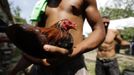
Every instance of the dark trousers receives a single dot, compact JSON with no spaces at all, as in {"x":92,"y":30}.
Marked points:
{"x":107,"y":67}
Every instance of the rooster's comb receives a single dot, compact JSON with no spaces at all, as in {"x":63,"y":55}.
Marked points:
{"x":67,"y":24}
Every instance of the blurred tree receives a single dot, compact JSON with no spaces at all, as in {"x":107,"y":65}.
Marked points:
{"x":16,"y":10}
{"x":128,"y":33}
{"x":120,"y":9}
{"x":5,"y":13}
{"x":17,"y":17}
{"x":116,"y":13}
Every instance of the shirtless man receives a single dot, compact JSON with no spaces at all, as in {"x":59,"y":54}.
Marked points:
{"x":106,"y":63}
{"x":76,"y":11}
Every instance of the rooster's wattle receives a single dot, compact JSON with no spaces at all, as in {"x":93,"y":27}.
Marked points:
{"x":30,"y":39}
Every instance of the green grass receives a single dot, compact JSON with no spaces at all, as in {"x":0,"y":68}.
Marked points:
{"x":91,"y":68}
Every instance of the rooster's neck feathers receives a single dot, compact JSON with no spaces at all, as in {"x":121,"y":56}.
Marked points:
{"x":60,"y":26}
{"x":65,"y":25}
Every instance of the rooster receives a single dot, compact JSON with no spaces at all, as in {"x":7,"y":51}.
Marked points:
{"x":30,"y":39}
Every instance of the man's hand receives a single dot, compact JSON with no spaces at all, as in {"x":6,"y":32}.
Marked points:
{"x":49,"y":63}
{"x":36,"y":60}
{"x":62,"y":57}
{"x":55,"y":50}
{"x":69,"y":54}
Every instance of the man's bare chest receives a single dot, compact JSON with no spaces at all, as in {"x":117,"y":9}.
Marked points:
{"x":110,"y":37}
{"x":70,"y":6}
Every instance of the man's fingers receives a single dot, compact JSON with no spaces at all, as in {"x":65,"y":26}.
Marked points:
{"x":55,"y":49}
{"x":45,"y":62}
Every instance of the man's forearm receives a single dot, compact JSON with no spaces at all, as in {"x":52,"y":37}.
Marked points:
{"x":93,"y":41}
{"x":22,"y":64}
{"x":125,"y":44}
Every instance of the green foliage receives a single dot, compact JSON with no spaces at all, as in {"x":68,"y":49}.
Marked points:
{"x":19,"y":20}
{"x":128,"y":33}
{"x":17,"y":17}
{"x":120,"y":9}
{"x":116,"y":13}
{"x":16,"y":10}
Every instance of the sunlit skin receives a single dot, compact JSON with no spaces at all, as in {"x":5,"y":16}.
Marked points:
{"x":72,"y":10}
{"x":76,"y":11}
{"x":107,"y":48}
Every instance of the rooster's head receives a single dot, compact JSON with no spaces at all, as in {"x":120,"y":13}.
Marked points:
{"x":67,"y":24}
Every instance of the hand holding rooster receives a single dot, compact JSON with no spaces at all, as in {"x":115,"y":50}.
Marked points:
{"x":31,"y":39}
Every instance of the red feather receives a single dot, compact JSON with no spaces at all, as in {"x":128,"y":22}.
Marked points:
{"x":31,"y":39}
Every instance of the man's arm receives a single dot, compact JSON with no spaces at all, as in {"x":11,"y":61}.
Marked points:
{"x":98,"y":33}
{"x":21,"y":65}
{"x":121,"y":41}
{"x":95,"y":38}
{"x":25,"y":61}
